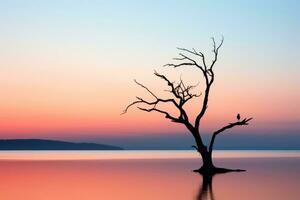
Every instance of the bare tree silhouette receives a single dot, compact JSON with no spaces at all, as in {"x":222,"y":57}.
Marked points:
{"x":181,"y":94}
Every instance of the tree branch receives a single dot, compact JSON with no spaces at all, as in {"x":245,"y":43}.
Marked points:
{"x":229,"y":126}
{"x":194,"y":52}
{"x":208,"y":73}
{"x":167,"y":115}
{"x":179,"y":91}
{"x":145,"y":88}
{"x":216,"y":51}
{"x":153,"y":103}
{"x":192,"y":61}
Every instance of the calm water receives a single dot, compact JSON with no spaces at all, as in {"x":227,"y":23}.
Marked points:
{"x":146,"y":175}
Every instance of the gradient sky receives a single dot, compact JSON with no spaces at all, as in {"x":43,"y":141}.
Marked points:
{"x":67,"y":67}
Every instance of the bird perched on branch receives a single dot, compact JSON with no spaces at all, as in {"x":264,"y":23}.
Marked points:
{"x":238,"y":117}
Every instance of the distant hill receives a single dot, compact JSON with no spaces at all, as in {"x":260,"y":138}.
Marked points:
{"x":37,"y":144}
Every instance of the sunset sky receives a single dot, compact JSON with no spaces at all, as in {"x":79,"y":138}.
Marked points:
{"x":67,"y":67}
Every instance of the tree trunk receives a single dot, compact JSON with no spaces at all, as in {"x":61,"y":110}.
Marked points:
{"x":207,"y":160}
{"x":207,"y":163}
{"x":208,"y":168}
{"x":206,"y":155}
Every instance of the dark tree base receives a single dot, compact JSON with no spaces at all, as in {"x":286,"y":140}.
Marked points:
{"x":216,"y":170}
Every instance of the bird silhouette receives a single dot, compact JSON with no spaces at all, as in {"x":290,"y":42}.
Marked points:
{"x":238,"y":117}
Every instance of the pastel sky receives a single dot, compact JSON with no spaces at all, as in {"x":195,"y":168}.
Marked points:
{"x":67,"y":67}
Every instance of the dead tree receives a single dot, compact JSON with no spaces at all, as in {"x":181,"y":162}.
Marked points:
{"x":182,"y":94}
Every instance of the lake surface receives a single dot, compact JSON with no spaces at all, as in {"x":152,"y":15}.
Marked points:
{"x":80,"y":175}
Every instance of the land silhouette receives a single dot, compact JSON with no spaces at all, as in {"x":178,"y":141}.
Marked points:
{"x":38,"y":144}
{"x":181,"y":95}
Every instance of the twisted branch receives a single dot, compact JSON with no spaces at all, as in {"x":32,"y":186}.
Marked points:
{"x":179,"y":91}
{"x":243,"y":122}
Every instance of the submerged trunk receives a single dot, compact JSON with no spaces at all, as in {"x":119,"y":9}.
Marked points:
{"x":207,"y":163}
{"x":206,"y":155}
{"x":208,"y":168}
{"x":207,"y":160}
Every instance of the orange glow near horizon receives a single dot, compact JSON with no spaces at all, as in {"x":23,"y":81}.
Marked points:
{"x":42,"y":104}
{"x":39,"y":104}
